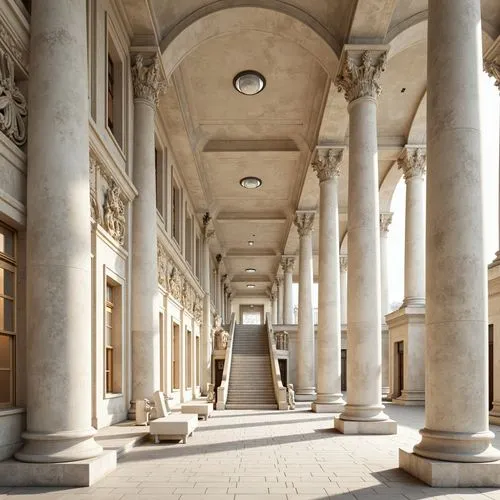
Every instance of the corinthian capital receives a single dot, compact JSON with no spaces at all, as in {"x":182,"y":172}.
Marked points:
{"x":287,"y":264}
{"x":148,"y":81}
{"x":360,"y":68}
{"x":327,"y":163}
{"x":493,"y":69}
{"x":385,"y":221}
{"x":412,"y":162}
{"x":304,"y":221}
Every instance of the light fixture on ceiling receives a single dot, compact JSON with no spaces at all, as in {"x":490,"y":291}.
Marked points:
{"x":250,"y":285}
{"x":250,"y":270}
{"x":251,"y":182}
{"x":249,"y":82}
{"x":251,"y":243}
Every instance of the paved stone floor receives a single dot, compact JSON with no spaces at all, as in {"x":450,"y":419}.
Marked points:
{"x":267,"y":455}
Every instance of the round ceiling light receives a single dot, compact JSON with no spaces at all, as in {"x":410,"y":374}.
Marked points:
{"x":250,"y":182}
{"x":250,"y":285}
{"x":250,"y":270}
{"x":249,"y":82}
{"x":251,"y":243}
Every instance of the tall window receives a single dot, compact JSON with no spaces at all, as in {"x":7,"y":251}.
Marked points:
{"x":176,"y":213}
{"x":114,"y":90}
{"x":111,"y":89}
{"x":112,"y":339}
{"x":7,"y":317}
{"x":188,"y":238}
{"x":189,"y":355}
{"x":159,"y":181}
{"x":176,"y":356}
{"x":198,"y":257}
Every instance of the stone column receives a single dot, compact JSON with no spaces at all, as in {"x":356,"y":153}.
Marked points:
{"x":145,"y":299}
{"x":287,"y":264}
{"x":58,"y":240}
{"x":329,"y":398}
{"x":385,"y":222}
{"x":206,"y":344}
{"x":456,"y":410}
{"x":306,"y":383}
{"x":279,"y":280}
{"x":218,"y":289}
{"x":360,"y":68}
{"x":343,"y":289}
{"x":273,"y":296}
{"x":229,"y":302}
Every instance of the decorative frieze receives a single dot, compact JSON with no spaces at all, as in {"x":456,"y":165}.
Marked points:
{"x":412,"y":162}
{"x":358,"y":76}
{"x":385,"y":221}
{"x":18,"y":51}
{"x":148,"y":81}
{"x":175,"y":283}
{"x":162,"y":266}
{"x":493,"y":69}
{"x":287,"y":264}
{"x":13,"y":109}
{"x":304,"y":221}
{"x":114,"y":213}
{"x":327,"y":163}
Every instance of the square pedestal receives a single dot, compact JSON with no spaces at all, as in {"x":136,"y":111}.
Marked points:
{"x":80,"y":473}
{"x":354,"y":427}
{"x":327,"y":408}
{"x":450,"y":474}
{"x":305,"y":397}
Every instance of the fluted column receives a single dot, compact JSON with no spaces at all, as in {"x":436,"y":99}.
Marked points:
{"x":385,"y":222}
{"x":359,"y":72}
{"x":329,"y":398}
{"x":306,"y":384}
{"x":58,"y":240}
{"x":343,"y":289}
{"x":456,"y":430}
{"x":206,"y":344}
{"x":279,"y":281}
{"x":145,"y":298}
{"x":287,"y":264}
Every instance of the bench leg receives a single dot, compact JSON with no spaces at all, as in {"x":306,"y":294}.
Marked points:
{"x":157,"y":439}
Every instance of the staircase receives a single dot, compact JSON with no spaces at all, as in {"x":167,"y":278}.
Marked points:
{"x":251,"y":383}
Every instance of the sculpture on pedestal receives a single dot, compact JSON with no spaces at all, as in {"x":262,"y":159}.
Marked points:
{"x":291,"y":396}
{"x":219,"y":335}
{"x":210,"y":393}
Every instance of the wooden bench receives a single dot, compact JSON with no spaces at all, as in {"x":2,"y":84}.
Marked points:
{"x":203,"y":410}
{"x":175,"y":426}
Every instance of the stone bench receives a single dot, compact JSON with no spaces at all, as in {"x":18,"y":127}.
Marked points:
{"x":203,"y":410}
{"x":174,"y":426}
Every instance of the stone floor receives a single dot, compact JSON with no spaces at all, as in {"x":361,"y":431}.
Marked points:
{"x":267,"y":455}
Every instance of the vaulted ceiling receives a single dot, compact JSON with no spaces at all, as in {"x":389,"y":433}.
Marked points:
{"x":219,"y":136}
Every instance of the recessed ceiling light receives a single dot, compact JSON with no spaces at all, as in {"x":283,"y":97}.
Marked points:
{"x":251,"y":243}
{"x":249,"y":82}
{"x":250,"y":285}
{"x":251,"y":182}
{"x":250,"y":270}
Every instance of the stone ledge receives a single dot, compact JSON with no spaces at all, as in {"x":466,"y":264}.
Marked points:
{"x":363,"y":427}
{"x":81,"y":473}
{"x":450,"y":474}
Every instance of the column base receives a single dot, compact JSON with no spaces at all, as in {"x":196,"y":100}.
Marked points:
{"x":450,"y":474}
{"x":78,"y":473}
{"x":365,"y":427}
{"x":410,"y":398}
{"x":333,"y":404}
{"x":306,"y":394}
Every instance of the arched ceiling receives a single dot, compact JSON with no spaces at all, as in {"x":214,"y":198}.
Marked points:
{"x":219,"y":136}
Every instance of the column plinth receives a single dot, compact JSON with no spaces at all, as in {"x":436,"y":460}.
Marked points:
{"x":306,"y":386}
{"x":363,"y":413}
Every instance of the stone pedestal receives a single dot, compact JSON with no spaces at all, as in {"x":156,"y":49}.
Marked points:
{"x":407,"y":325}
{"x":306,"y":383}
{"x":456,"y":326}
{"x":359,"y":69}
{"x":58,"y":265}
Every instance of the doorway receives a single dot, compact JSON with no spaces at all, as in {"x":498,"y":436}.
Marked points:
{"x":251,"y":314}
{"x":343,"y":370}
{"x":399,"y":369}
{"x":490,"y":367}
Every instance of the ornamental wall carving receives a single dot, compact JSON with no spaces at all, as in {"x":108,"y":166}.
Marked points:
{"x":162,"y":266}
{"x":13,"y":108}
{"x":114,"y":213}
{"x":175,"y":284}
{"x":15,"y":47}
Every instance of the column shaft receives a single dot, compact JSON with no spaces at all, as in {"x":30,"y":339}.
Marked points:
{"x":287,"y":264}
{"x":456,"y":322}
{"x":343,"y":289}
{"x":280,"y":300}
{"x":58,"y":239}
{"x":385,"y":220}
{"x":206,"y":345}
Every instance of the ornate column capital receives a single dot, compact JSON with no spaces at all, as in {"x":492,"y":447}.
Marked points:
{"x":343,"y":263}
{"x":147,"y":81}
{"x":360,"y":68}
{"x":385,"y":221}
{"x":304,"y":220}
{"x":287,"y":264}
{"x":413,"y":162}
{"x":492,"y":67}
{"x":327,"y":163}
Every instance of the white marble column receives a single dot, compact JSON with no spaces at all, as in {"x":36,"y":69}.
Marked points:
{"x":229,"y":303}
{"x":343,"y":289}
{"x":329,"y":396}
{"x":306,"y":383}
{"x":287,"y":264}
{"x":385,"y":222}
{"x":456,"y":411}
{"x":206,"y":344}
{"x":273,"y":296}
{"x":58,"y":427}
{"x":145,"y":298}
{"x":279,"y":280}
{"x":218,"y":289}
{"x":360,"y":68}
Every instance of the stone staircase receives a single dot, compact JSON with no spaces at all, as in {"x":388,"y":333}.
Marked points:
{"x":250,"y":382}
